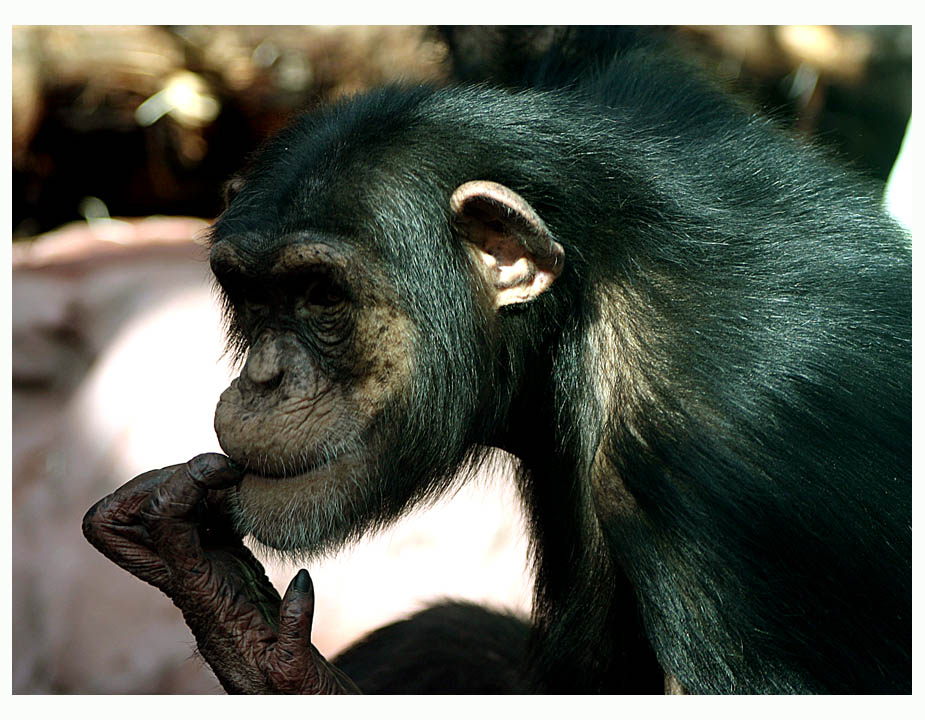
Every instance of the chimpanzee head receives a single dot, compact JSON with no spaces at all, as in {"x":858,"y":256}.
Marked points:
{"x":364,"y":293}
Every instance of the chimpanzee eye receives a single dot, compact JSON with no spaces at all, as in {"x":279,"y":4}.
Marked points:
{"x":257,"y":308}
{"x":324,"y":292}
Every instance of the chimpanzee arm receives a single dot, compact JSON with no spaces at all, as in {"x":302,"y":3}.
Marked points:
{"x":169,"y":527}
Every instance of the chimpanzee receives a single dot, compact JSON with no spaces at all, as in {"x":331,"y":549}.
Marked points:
{"x":693,"y":330}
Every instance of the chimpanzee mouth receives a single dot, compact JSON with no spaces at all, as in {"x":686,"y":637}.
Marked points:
{"x":325,"y":459}
{"x":294,"y":473}
{"x":304,"y":470}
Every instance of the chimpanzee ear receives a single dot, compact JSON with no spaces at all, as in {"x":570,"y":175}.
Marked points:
{"x":514,"y":248}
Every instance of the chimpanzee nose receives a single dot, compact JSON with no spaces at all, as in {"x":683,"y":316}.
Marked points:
{"x":264,"y":367}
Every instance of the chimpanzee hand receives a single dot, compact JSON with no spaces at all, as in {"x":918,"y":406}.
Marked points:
{"x":170,"y":528}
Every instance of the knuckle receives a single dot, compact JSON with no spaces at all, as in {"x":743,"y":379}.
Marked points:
{"x":155,"y":509}
{"x":90,"y":522}
{"x":209,"y":471}
{"x":201,"y":466}
{"x":96,"y":518}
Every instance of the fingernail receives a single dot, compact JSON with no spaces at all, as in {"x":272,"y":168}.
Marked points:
{"x":303,"y":581}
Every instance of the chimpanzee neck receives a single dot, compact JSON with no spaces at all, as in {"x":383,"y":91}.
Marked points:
{"x":589,"y":634}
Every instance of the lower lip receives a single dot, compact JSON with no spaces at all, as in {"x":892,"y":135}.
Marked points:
{"x":270,"y":479}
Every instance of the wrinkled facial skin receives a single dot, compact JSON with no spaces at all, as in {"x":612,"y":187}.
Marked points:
{"x":328,"y":351}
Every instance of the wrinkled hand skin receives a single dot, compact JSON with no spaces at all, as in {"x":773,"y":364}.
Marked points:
{"x":169,"y":528}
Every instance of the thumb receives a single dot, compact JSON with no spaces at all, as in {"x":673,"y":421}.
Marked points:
{"x":296,"y":612}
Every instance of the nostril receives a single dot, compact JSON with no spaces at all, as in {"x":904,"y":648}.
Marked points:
{"x":265,"y":379}
{"x":273,"y":382}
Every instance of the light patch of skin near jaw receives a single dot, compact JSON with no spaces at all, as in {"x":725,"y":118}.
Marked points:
{"x":382,"y":335}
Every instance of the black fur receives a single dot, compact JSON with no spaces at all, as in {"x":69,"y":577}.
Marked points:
{"x":452,"y":647}
{"x":757,"y":307}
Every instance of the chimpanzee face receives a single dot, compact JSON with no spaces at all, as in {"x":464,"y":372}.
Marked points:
{"x":340,"y":385}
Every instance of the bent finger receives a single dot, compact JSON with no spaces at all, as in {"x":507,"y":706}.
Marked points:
{"x":170,"y":515}
{"x":123,"y":506}
{"x":114,"y":526}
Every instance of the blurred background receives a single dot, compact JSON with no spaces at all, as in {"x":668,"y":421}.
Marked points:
{"x":122,"y":139}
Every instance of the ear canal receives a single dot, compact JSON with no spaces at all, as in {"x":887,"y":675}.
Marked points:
{"x":492,"y":202}
{"x":516,"y":252}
